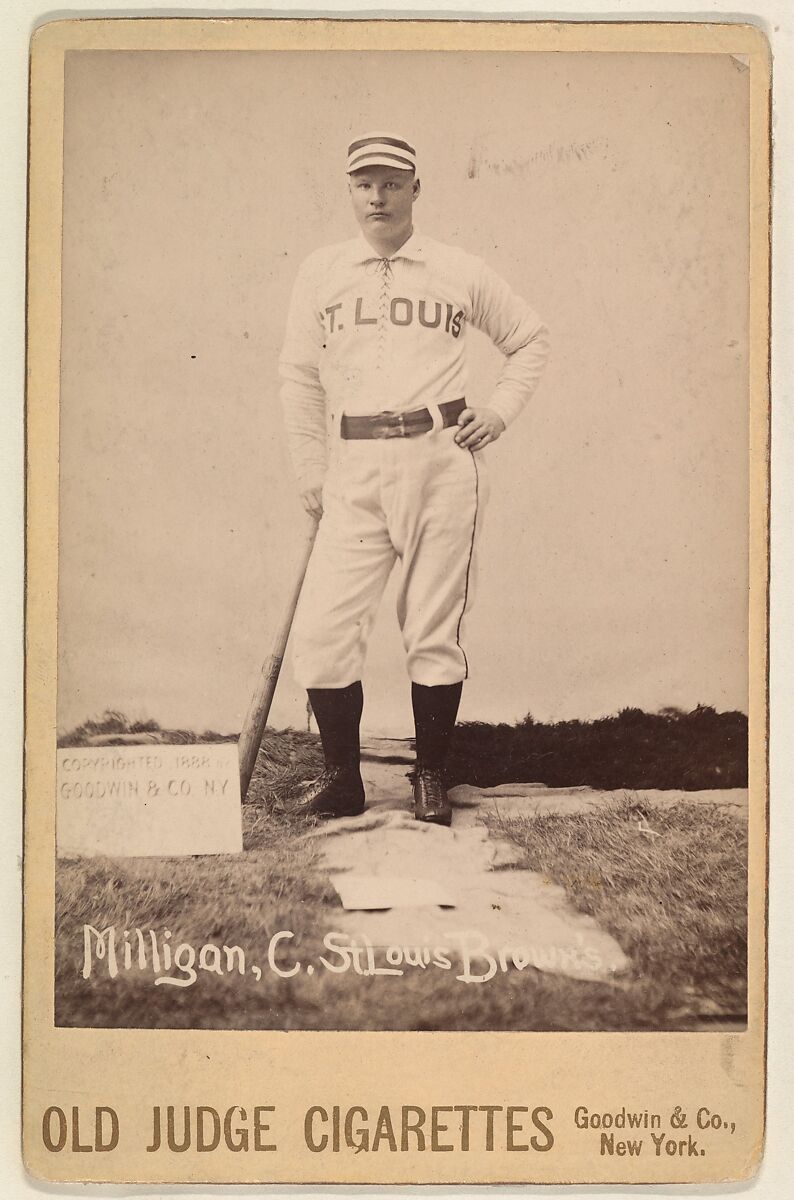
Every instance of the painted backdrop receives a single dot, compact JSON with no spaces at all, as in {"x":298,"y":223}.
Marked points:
{"x":610,"y":190}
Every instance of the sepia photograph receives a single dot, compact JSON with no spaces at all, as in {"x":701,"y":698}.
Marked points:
{"x":396,"y":705}
{"x":403,"y":449}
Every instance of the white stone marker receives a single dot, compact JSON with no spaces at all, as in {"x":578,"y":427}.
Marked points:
{"x":148,"y":800}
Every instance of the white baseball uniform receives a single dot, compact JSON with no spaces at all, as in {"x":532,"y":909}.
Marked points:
{"x":367,"y":334}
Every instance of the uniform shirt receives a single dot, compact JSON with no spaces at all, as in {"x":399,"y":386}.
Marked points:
{"x":367,"y":334}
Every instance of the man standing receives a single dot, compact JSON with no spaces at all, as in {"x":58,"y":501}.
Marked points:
{"x":373,"y":370}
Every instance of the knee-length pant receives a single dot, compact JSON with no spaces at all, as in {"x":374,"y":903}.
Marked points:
{"x":413,"y":501}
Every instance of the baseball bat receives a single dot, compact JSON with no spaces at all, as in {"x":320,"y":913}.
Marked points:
{"x":259,"y":708}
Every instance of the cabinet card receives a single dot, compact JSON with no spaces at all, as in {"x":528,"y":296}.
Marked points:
{"x":424,"y":362}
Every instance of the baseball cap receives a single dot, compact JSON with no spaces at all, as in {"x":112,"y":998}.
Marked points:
{"x":381,"y":149}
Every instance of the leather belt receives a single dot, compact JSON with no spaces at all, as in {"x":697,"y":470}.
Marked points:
{"x":392,"y":425}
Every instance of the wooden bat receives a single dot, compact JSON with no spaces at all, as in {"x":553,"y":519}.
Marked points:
{"x":259,"y":708}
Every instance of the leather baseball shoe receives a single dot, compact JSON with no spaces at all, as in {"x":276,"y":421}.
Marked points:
{"x":431,"y":802}
{"x":338,"y":792}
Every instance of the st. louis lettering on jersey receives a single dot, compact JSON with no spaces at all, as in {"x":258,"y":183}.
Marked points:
{"x":401,"y":310}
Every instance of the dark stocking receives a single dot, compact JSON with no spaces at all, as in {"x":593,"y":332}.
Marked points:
{"x":338,"y":713}
{"x":435,"y":711}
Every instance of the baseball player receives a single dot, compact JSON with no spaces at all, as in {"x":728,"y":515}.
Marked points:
{"x":387,"y":452}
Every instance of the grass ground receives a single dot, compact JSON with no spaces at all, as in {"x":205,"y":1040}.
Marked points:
{"x":669,"y":883}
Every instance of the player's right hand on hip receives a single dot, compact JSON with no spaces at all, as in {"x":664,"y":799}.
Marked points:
{"x":312,"y":500}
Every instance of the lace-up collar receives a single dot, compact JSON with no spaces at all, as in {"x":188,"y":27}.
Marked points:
{"x":413,"y":250}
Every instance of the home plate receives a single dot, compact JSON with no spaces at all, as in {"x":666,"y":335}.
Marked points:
{"x":369,"y":892}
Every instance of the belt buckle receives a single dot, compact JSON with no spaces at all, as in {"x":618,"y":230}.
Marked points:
{"x":390,"y":424}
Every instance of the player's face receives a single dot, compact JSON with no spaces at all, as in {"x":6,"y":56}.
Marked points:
{"x":383,"y":199}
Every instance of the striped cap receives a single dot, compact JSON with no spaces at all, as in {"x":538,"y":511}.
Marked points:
{"x":380,"y":149}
